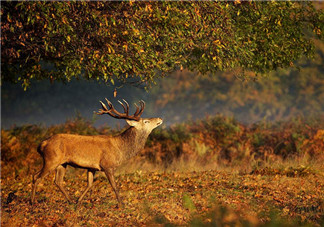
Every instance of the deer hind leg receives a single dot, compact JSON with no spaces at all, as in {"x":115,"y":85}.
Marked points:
{"x":39,"y":176}
{"x":91,"y":174}
{"x":110,"y":175}
{"x":60,"y":172}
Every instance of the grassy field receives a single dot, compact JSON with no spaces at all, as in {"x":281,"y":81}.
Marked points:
{"x":187,"y":198}
{"x":206,"y":173}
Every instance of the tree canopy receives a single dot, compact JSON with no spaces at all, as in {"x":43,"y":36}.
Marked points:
{"x":140,"y":41}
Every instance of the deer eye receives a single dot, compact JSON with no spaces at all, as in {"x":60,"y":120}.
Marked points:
{"x":146,"y":121}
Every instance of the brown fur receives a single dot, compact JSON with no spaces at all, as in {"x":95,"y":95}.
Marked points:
{"x":95,"y":153}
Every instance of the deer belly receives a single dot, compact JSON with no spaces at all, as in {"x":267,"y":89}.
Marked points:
{"x":89,"y":162}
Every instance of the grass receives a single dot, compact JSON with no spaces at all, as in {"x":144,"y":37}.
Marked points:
{"x":190,"y":198}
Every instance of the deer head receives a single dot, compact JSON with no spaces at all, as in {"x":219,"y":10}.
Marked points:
{"x":135,"y":120}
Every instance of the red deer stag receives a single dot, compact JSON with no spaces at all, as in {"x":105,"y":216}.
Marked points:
{"x":95,"y":153}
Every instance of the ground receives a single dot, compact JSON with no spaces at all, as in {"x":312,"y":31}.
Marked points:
{"x":161,"y":198}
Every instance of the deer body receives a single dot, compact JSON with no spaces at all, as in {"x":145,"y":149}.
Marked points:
{"x":83,"y":151}
{"x":94,"y":153}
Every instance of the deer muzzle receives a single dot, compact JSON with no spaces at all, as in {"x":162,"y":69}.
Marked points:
{"x":160,"y":121}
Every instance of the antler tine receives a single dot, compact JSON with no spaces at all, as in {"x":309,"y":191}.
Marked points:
{"x":103,"y":110}
{"x":112,"y":111}
{"x":126,"y":106}
{"x":142,"y":103}
{"x":100,"y":112}
{"x":125,"y":110}
{"x":137,"y":109}
{"x":109,"y":103}
{"x":104,"y":107}
{"x":126,"y":103}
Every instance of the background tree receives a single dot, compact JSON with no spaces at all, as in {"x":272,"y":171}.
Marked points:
{"x":144,"y":40}
{"x":281,"y":95}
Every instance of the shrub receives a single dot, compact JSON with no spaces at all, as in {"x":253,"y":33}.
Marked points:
{"x":212,"y":140}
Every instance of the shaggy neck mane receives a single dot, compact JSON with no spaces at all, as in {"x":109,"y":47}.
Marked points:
{"x":132,"y":141}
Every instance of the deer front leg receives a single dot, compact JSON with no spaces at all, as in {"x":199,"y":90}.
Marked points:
{"x":110,"y":175}
{"x":60,"y":172}
{"x":91,"y":174}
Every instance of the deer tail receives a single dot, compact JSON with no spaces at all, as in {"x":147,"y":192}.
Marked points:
{"x":41,"y":147}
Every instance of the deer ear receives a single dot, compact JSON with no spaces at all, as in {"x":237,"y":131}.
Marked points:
{"x":131,"y":123}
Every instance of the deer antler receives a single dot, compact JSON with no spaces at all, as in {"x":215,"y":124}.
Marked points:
{"x":114,"y":113}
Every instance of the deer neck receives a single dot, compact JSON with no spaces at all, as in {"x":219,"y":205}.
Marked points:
{"x":132,"y":142}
